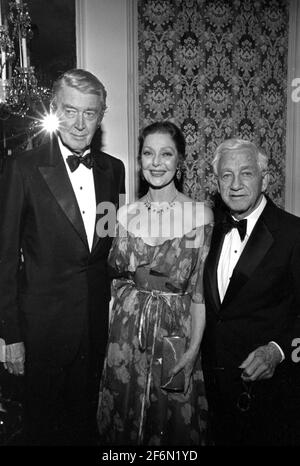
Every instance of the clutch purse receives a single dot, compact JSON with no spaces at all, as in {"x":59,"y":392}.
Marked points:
{"x":173,"y":349}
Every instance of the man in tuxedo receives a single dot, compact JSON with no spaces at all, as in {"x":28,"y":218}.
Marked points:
{"x":54,"y":311}
{"x":252,"y":296}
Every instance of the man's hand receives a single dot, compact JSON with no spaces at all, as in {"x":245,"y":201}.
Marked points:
{"x":15,"y":358}
{"x":261,"y":363}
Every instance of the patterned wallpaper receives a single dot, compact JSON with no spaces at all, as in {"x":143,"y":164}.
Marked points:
{"x":217,"y":68}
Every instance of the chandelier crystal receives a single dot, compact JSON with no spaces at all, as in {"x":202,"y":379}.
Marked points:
{"x":19,"y":88}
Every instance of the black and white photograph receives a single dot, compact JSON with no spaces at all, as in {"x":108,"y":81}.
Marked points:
{"x":149,"y":227}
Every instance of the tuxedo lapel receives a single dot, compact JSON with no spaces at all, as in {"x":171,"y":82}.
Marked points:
{"x":103,"y":186}
{"x":260,"y":241}
{"x":55,"y":175}
{"x":211,"y":266}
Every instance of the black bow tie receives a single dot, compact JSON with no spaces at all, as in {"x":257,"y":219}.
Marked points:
{"x":230,"y":223}
{"x":74,"y":161}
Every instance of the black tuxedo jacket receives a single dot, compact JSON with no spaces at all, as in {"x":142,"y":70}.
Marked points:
{"x":63,"y":287}
{"x":262,"y":301}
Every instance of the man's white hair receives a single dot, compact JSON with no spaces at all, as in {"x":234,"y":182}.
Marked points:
{"x":236,"y":144}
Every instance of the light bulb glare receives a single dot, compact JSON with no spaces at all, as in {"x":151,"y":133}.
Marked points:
{"x":50,"y":123}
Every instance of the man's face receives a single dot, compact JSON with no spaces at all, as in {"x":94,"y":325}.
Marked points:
{"x":240,"y":182}
{"x":79,"y":116}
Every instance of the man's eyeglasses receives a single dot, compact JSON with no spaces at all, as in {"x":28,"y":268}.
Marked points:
{"x":245,"y":398}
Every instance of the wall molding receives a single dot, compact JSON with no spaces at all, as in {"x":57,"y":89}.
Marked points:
{"x":292,"y":181}
{"x":132,"y":96}
{"x":80,"y":6}
{"x":89,"y":37}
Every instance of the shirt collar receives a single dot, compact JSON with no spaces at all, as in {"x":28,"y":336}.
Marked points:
{"x":65,"y":151}
{"x":254,"y":216}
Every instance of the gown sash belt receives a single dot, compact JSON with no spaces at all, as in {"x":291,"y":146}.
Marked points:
{"x":160,"y":299}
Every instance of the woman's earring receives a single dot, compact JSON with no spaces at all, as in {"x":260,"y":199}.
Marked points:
{"x":178,"y":173}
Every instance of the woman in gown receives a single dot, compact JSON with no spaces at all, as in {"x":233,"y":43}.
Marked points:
{"x":156,"y":260}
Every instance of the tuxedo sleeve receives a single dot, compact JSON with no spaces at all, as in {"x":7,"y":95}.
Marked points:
{"x":11,"y":215}
{"x":119,"y":186}
{"x":122,"y":189}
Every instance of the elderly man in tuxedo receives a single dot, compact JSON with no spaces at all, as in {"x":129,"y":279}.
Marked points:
{"x":252,"y":295}
{"x":54,"y":313}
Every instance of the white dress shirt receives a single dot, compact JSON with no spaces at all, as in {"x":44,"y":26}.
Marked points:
{"x":82,"y":181}
{"x":233,"y":247}
{"x":231,"y":251}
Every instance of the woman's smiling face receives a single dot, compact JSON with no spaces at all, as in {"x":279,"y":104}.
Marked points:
{"x":159,"y":159}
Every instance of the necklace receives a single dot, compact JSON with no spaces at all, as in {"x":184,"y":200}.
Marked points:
{"x":159,"y":207}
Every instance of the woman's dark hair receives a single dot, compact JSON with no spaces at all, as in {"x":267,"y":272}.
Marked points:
{"x":164,"y":127}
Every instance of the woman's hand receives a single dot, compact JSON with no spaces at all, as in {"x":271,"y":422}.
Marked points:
{"x":186,"y":363}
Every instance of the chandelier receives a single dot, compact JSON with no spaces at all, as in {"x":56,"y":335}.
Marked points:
{"x":19,"y":88}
